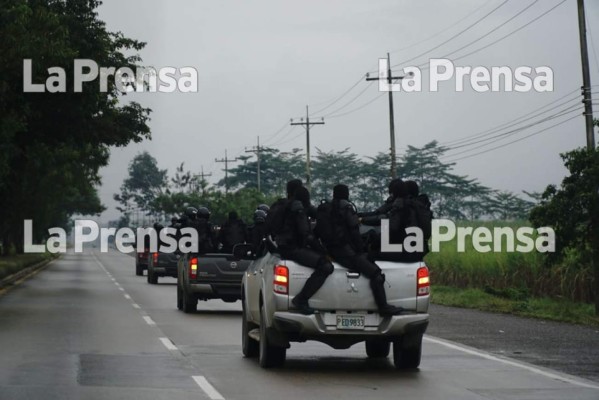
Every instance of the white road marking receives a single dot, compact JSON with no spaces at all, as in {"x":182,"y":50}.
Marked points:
{"x":149,"y":320}
{"x":168,"y":344}
{"x":127,"y":296}
{"x":135,"y":305}
{"x":512,"y":363}
{"x":121,"y":289}
{"x":208,"y":388}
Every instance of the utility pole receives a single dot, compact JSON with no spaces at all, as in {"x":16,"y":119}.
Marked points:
{"x":390,"y":80}
{"x":226,"y":160}
{"x":203,"y":176}
{"x":307,"y":124}
{"x":256,"y":150}
{"x":586,"y":76}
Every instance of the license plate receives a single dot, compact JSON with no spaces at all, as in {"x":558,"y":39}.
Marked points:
{"x":350,"y":322}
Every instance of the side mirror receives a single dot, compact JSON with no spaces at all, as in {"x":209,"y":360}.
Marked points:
{"x":244,"y":251}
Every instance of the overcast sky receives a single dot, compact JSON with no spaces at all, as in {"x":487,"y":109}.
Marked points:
{"x":261,"y":62}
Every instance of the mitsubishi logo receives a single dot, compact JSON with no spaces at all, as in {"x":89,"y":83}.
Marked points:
{"x":352,"y":288}
{"x":233,"y":265}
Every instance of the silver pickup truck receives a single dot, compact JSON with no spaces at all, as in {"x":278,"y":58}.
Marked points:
{"x":346,"y":312}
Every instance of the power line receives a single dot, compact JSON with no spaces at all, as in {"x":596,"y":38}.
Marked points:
{"x":504,"y":135}
{"x":349,"y":102}
{"x":511,"y":33}
{"x":307,"y":124}
{"x":339,"y":97}
{"x":434,"y":35}
{"x":491,"y":31}
{"x":454,"y":36}
{"x":512,"y":142}
{"x":525,"y":117}
{"x":357,"y":108}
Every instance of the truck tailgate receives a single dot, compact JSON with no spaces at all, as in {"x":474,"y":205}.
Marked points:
{"x":347,"y":291}
{"x":221,"y":268}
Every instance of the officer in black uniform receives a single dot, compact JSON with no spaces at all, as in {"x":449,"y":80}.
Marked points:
{"x":257,"y":231}
{"x":232,"y":232}
{"x":206,"y":240}
{"x":296,"y":242}
{"x":346,"y":247}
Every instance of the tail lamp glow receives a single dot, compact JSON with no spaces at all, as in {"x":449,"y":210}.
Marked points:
{"x":281,"y":280}
{"x":424,"y":282}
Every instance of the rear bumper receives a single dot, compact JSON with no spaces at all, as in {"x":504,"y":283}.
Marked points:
{"x":216,"y":290}
{"x":317,"y":326}
{"x":170,"y":270}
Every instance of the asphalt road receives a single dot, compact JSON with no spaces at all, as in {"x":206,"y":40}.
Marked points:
{"x":88,"y":328}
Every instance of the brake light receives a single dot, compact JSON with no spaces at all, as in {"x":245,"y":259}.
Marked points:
{"x":423,"y":284}
{"x":155,"y":258}
{"x":281,"y":279}
{"x":193,"y":268}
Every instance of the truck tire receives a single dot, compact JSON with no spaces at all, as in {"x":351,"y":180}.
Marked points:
{"x":179,"y":297}
{"x":190,"y":302}
{"x":407,"y":356}
{"x":152,"y":277}
{"x":377,"y":348}
{"x":269,"y":355}
{"x":139,"y":270}
{"x":249,"y":347}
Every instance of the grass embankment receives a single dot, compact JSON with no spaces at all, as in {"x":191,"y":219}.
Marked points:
{"x":512,"y":282}
{"x":535,"y":307}
{"x":15,"y":263}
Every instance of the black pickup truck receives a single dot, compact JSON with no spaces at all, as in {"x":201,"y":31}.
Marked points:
{"x":162,"y":264}
{"x":208,"y":276}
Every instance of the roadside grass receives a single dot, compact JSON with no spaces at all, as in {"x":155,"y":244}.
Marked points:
{"x":515,"y":302}
{"x":15,"y":263}
{"x":527,"y":272}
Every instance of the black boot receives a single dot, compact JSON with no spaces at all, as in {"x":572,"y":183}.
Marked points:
{"x":380,"y":298}
{"x":302,"y":305}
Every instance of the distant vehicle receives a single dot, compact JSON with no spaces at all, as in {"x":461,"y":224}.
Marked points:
{"x":208,"y":276}
{"x":162,"y":264}
{"x":141,"y":261}
{"x":346,"y":311}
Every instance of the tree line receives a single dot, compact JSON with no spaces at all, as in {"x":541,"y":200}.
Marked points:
{"x":53,"y":144}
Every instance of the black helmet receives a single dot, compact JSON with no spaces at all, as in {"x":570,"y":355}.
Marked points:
{"x":174,"y":220}
{"x":263,"y":207}
{"x":191,"y":212}
{"x":158,"y":226}
{"x":259,"y":216}
{"x":204,"y":212}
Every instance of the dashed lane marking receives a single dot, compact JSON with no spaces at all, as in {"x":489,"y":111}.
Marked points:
{"x":208,"y":388}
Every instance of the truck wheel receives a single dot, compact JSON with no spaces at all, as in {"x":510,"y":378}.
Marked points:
{"x":249,"y":347}
{"x":152,"y":278}
{"x":179,"y":297}
{"x":190,"y":302}
{"x":269,"y":355}
{"x":407,"y":356}
{"x":377,"y":348}
{"x":139,"y":270}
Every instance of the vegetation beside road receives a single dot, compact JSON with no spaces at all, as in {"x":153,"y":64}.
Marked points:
{"x":527,"y":273}
{"x":516,"y":302}
{"x":12,"y":264}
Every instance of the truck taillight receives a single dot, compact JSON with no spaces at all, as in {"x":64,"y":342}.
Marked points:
{"x":281,"y":280}
{"x":423,"y":284}
{"x":155,"y":258}
{"x":193,"y":268}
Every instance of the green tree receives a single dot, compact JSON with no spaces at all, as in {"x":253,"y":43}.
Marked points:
{"x":53,"y":144}
{"x":573,"y":211}
{"x":143,"y":185}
